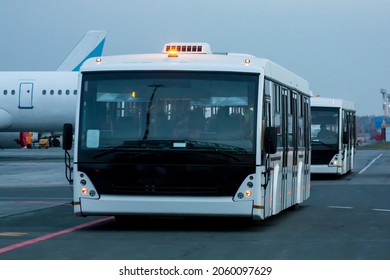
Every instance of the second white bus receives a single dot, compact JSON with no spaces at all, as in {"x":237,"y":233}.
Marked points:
{"x":333,"y":135}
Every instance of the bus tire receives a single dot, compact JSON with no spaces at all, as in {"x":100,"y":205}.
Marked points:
{"x":295,"y":207}
{"x":127,"y":220}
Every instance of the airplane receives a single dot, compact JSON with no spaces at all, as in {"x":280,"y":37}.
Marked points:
{"x":44,"y":100}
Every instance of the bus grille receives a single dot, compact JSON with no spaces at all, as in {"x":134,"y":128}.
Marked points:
{"x":166,"y":190}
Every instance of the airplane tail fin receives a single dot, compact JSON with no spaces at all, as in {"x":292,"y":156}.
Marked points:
{"x":91,"y":45}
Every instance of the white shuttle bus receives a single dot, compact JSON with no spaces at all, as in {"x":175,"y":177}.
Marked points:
{"x":187,"y":132}
{"x":333,"y":129}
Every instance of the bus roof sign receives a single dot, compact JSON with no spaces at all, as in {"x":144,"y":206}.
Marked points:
{"x":186,"y":47}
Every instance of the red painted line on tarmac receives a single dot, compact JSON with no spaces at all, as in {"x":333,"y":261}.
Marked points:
{"x":52,"y":235}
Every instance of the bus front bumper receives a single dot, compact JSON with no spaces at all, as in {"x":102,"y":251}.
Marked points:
{"x":325,"y":169}
{"x":159,"y":205}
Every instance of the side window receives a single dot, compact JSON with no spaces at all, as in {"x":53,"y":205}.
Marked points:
{"x":277,"y":117}
{"x":288,"y":116}
{"x":306,"y":119}
{"x":268,"y":92}
{"x":349,"y":125}
{"x":300,"y":127}
{"x":344,"y":121}
{"x":353,"y":127}
{"x":276,"y":98}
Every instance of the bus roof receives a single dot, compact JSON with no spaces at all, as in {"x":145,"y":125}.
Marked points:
{"x":203,"y":60}
{"x":332,"y":102}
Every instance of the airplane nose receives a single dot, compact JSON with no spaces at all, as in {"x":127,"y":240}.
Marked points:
{"x":5,"y":119}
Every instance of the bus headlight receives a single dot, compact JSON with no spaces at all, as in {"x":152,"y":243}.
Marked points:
{"x":248,"y":193}
{"x":84,"y":191}
{"x":334,"y":161}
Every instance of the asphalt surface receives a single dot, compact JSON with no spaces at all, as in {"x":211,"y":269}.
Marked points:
{"x":345,"y":218}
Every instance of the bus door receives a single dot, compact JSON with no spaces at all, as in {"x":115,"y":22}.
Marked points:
{"x":301,"y":148}
{"x":294,"y":146}
{"x":346,"y":146}
{"x":291,"y":152}
{"x":307,"y":145}
{"x":353,"y":139}
{"x":278,"y":160}
{"x":267,"y":161}
{"x":287,"y":154}
{"x":348,"y":129}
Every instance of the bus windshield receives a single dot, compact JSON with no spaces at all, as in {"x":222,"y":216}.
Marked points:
{"x":162,"y":110}
{"x":324,"y":128}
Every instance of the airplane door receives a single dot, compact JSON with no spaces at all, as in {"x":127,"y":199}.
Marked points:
{"x":26,"y":95}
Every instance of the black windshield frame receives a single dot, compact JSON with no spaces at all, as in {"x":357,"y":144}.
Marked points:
{"x":325,"y":119}
{"x":159,"y":97}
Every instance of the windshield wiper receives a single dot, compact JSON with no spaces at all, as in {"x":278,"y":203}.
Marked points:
{"x":114,"y":149}
{"x":144,"y":145}
{"x":223,"y":149}
{"x":136,"y":145}
{"x":216,"y":146}
{"x":149,"y":109}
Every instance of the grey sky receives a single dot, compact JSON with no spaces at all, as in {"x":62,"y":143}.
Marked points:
{"x":342,"y":47}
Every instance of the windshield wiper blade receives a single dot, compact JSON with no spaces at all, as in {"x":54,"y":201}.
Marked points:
{"x":161,"y":144}
{"x":216,"y":146}
{"x":148,"y":111}
{"x":114,"y":149}
{"x":222,"y":149}
{"x":138,"y":144}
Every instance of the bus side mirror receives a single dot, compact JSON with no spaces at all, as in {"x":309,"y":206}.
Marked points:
{"x":67,"y":136}
{"x":270,"y":140}
{"x":345,"y":137}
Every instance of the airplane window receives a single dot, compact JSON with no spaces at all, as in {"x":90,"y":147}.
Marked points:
{"x":75,"y":92}
{"x":44,"y":92}
{"x":67,"y":92}
{"x":13,"y":92}
{"x":5,"y":92}
{"x":59,"y":92}
{"x":51,"y":92}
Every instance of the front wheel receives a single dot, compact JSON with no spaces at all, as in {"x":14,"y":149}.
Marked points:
{"x":127,"y":220}
{"x":294,"y":207}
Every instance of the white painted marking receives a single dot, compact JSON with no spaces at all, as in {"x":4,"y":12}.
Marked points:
{"x":340,"y":207}
{"x":368,"y":165}
{"x":381,"y":210}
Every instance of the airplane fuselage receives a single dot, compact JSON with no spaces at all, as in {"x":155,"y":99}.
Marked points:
{"x":37,"y":101}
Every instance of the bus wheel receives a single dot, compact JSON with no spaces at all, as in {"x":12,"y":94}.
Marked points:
{"x":294,"y":207}
{"x":126,"y":220}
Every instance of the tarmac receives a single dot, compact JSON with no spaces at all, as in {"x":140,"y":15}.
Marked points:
{"x":32,"y":179}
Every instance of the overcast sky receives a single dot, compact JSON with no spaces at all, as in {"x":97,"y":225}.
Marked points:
{"x":342,"y":47}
